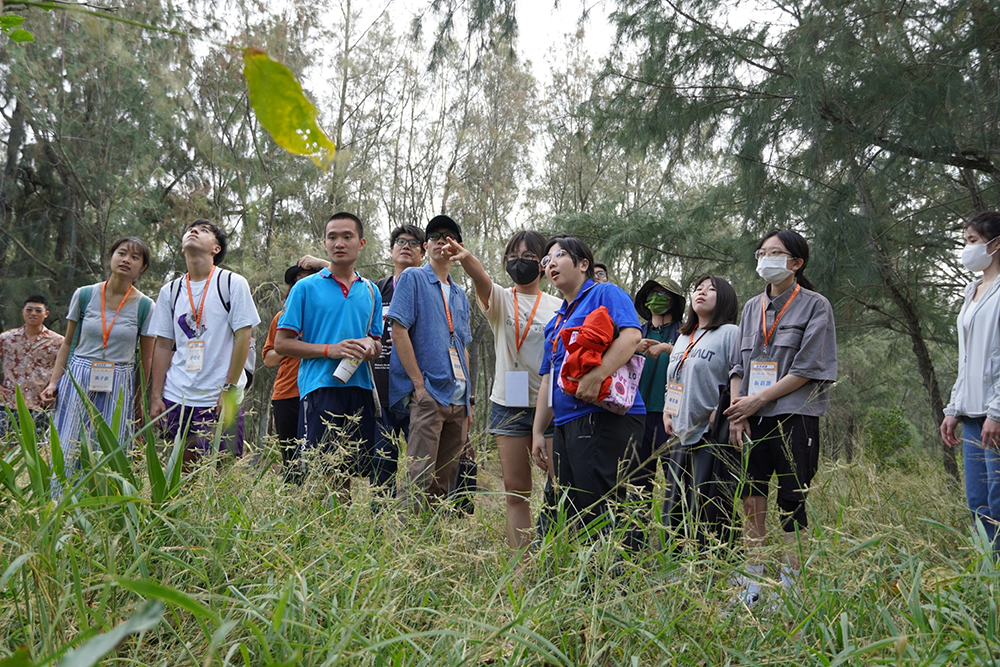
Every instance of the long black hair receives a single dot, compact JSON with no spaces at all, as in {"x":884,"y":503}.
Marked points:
{"x":726,"y":306}
{"x":796,"y":244}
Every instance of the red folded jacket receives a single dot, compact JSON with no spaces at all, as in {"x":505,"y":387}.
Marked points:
{"x":584,"y":352}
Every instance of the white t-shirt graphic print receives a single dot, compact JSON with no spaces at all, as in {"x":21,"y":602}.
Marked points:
{"x":202,"y":388}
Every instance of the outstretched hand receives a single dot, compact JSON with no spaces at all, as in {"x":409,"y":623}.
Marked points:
{"x":455,"y":251}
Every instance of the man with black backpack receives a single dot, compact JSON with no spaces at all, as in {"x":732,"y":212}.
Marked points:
{"x":332,"y":321}
{"x":203,"y":323}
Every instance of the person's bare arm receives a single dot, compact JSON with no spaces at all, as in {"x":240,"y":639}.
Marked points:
{"x":288,"y":345}
{"x":473,"y":267}
{"x":543,"y":416}
{"x":163,"y":351}
{"x":48,"y":394}
{"x":404,"y":348}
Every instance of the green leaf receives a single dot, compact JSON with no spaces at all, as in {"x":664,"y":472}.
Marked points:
{"x":9,"y":21}
{"x":14,"y":567}
{"x":91,"y":652}
{"x":21,"y":36}
{"x":21,"y":658}
{"x":283,"y":109}
{"x":151,"y":589}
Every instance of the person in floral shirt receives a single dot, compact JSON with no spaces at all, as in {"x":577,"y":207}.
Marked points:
{"x":27,"y":354}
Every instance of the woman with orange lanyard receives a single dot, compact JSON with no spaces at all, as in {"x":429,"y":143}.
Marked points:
{"x":784,"y":364}
{"x":517,"y":316}
{"x":107,"y":323}
{"x":697,"y":370}
{"x":590,"y":442}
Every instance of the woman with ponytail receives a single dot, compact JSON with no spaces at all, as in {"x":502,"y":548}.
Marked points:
{"x":784,"y":363}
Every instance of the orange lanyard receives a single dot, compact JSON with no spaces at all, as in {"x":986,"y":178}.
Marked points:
{"x":518,"y":338}
{"x":763,"y":314}
{"x":694,"y":341}
{"x":447,"y":311}
{"x":106,"y":330}
{"x":201,"y":306}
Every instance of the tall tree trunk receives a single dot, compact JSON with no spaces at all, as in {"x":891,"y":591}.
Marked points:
{"x":896,"y":289}
{"x":8,"y":179}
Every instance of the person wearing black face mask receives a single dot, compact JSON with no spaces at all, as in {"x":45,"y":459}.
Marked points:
{"x":518,"y":316}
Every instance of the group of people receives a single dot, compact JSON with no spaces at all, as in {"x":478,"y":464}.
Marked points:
{"x":593,"y":386}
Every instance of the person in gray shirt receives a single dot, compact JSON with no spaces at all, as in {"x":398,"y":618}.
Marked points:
{"x":784,"y":364}
{"x":698,"y":369}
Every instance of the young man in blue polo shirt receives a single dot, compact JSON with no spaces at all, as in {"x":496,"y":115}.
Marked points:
{"x":429,"y":366}
{"x":334,"y":318}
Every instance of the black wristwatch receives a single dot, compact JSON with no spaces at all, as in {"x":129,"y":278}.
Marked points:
{"x":228,"y":386}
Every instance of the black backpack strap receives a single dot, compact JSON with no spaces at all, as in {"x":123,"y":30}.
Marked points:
{"x":227,"y":298}
{"x":175,"y":293}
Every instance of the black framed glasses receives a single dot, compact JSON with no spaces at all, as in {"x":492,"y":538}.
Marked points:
{"x":528,"y":255}
{"x":400,"y":242}
{"x":435,"y":236}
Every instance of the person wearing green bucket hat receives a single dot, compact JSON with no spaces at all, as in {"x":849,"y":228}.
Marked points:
{"x":660,"y":302}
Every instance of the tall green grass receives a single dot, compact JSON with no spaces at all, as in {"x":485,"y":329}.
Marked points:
{"x":144,"y":564}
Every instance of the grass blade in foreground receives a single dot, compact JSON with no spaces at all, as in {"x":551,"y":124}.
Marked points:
{"x":97,"y":647}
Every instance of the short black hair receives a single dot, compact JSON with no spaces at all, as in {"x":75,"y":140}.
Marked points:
{"x":412,"y":230}
{"x":576,"y":248}
{"x":726,"y":306}
{"x":532,"y":239}
{"x":132,"y":241}
{"x":344,"y":215}
{"x":220,"y":237}
{"x":35,"y":298}
{"x":797,"y":246}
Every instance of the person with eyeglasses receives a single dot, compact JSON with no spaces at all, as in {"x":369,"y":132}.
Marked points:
{"x":698,"y":370}
{"x":975,"y":398}
{"x":601,"y":272}
{"x":429,"y":367}
{"x":109,"y":334}
{"x":784,"y":363}
{"x":517,"y":316}
{"x":590,"y":442}
{"x":27,"y":355}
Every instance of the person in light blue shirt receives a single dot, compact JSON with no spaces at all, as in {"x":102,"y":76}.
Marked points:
{"x":429,"y":366}
{"x":332,"y":322}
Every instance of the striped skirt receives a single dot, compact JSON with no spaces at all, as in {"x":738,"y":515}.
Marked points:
{"x":71,"y":419}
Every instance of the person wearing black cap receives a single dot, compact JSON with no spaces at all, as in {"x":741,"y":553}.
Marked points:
{"x":285,"y":395}
{"x":661,"y":304}
{"x":429,"y":366}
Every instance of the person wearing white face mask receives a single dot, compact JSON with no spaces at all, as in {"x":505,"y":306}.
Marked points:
{"x":975,"y":398}
{"x":784,"y":362}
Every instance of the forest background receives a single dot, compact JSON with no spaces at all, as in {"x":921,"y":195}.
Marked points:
{"x":870,"y":126}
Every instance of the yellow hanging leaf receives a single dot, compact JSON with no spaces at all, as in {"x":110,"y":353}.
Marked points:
{"x":283,"y":109}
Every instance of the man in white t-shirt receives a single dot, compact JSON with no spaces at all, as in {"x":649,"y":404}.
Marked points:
{"x":203,"y":323}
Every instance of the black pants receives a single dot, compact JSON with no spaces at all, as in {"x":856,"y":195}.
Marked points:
{"x":588,"y":453}
{"x":286,"y":423}
{"x":700,"y":491}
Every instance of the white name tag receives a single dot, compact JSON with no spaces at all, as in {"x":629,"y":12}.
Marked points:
{"x":456,"y":364}
{"x":552,"y":383}
{"x":195,"y":356}
{"x":515,"y":389}
{"x":763,"y":374}
{"x":672,"y":403}
{"x":102,"y":374}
